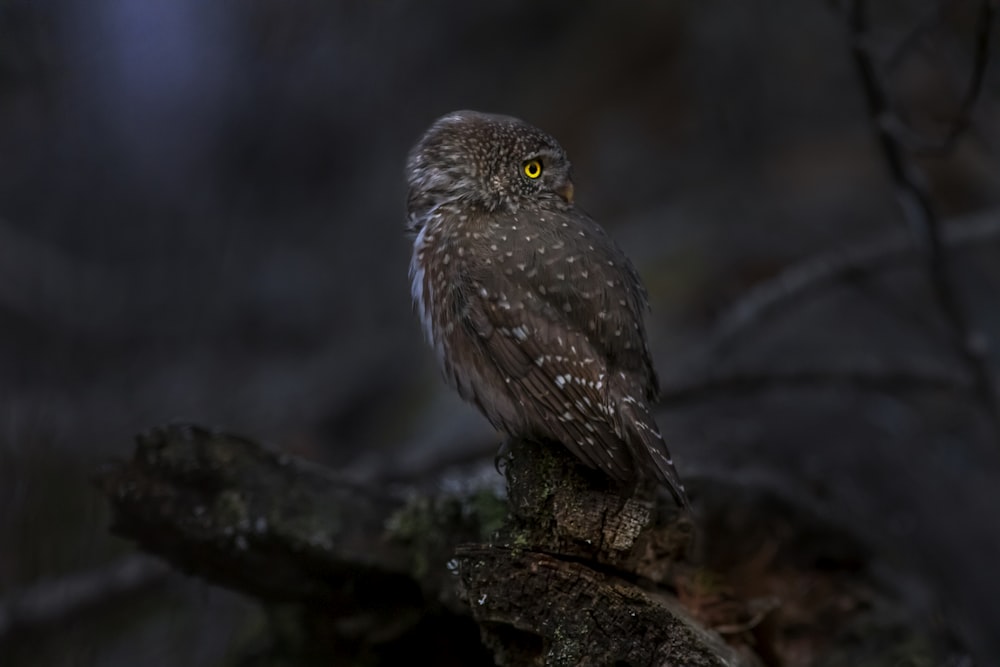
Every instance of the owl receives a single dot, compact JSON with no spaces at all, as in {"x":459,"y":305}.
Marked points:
{"x":534,"y":313}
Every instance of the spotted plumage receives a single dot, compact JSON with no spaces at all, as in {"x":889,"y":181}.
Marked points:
{"x":534,"y":313}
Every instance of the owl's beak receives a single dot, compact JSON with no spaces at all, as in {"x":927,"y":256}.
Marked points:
{"x":566,"y":191}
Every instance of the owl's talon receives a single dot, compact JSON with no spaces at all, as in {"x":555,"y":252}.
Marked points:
{"x":503,"y":455}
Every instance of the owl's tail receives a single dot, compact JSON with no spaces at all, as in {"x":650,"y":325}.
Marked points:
{"x":650,"y":455}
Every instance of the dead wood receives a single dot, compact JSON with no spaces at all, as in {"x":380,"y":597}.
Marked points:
{"x":563,"y":570}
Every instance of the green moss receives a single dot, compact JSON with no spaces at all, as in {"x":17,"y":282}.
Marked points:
{"x":432,"y":526}
{"x":303,"y":521}
{"x":883,"y":638}
{"x":520,"y":539}
{"x":410,"y":521}
{"x":419,"y":524}
{"x":490,"y":511}
{"x":230,"y":509}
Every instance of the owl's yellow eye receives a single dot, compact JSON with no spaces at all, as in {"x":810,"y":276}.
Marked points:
{"x":532,"y":168}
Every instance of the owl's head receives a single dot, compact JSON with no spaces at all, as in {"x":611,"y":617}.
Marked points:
{"x":486,"y":162}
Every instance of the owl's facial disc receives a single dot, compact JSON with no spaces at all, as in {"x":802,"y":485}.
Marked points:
{"x":545,"y":171}
{"x":487,"y":161}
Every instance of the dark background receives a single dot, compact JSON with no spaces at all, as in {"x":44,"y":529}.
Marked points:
{"x":201,"y":218}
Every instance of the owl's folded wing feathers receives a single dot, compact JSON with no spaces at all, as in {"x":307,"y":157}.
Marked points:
{"x":561,"y":379}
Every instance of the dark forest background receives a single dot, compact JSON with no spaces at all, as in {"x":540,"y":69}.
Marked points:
{"x":201,"y":218}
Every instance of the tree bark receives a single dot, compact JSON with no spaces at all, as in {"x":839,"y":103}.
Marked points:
{"x":564,"y":569}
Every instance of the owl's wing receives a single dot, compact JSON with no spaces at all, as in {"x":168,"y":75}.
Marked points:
{"x":567,"y":391}
{"x":577,"y":268}
{"x":557,"y":377}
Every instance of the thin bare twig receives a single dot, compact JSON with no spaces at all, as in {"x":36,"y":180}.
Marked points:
{"x":970,"y":343}
{"x":772,"y":297}
{"x":858,"y":378}
{"x":915,"y":141}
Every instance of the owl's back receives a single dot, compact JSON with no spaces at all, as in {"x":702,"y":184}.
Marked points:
{"x":536,"y":316}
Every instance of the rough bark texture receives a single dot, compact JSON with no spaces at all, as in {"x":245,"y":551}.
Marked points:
{"x":318,"y":550}
{"x":568,"y":572}
{"x":559,"y":585}
{"x":538,"y":609}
